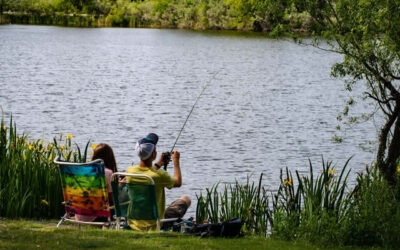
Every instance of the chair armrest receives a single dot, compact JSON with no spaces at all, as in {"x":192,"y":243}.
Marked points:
{"x":169,"y":219}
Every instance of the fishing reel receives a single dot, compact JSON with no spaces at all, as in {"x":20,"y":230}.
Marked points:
{"x":166,"y":159}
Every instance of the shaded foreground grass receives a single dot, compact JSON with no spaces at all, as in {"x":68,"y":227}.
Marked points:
{"x":22,"y":234}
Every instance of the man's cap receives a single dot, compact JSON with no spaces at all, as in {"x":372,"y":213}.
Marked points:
{"x":152,"y":138}
{"x":145,"y":146}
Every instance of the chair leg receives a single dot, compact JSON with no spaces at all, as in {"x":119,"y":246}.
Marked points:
{"x":118,"y":223}
{"x":158,"y":225}
{"x":62,"y":219}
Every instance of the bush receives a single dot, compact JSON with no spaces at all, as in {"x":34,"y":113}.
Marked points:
{"x":373,"y":217}
{"x":368,"y":214}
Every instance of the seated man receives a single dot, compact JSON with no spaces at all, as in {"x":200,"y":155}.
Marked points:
{"x":146,"y":150}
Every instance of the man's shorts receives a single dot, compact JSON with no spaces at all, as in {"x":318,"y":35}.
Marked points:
{"x":177,"y":209}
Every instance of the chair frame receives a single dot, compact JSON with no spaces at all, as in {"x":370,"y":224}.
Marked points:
{"x":114,"y":177}
{"x":66,"y":216}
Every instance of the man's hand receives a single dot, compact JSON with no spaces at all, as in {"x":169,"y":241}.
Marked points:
{"x":163,"y":160}
{"x":175,"y":156}
{"x":177,"y":169}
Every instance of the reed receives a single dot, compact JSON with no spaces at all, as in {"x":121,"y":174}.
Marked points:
{"x":294,"y":205}
{"x":317,"y":208}
{"x":30,"y":184}
{"x":312,"y":195}
{"x":311,"y":206}
{"x":373,"y":213}
{"x":248,"y":202}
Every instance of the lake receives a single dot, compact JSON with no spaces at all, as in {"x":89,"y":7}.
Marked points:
{"x":268,"y":104}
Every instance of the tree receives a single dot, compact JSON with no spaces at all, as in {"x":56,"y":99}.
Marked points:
{"x":367,"y":33}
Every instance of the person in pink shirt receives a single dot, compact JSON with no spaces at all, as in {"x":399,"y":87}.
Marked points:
{"x":103,"y":151}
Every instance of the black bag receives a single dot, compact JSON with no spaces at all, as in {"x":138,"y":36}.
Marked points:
{"x":230,"y":228}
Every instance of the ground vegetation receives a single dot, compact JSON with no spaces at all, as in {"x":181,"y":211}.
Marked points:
{"x":323,"y":209}
{"x":30,"y":184}
{"x":276,"y":17}
{"x":25,"y":234}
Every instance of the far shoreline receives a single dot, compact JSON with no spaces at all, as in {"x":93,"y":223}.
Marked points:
{"x":93,"y":21}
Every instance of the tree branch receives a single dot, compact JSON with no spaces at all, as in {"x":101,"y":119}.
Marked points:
{"x":379,"y":100}
{"x":320,"y":48}
{"x":393,"y":76}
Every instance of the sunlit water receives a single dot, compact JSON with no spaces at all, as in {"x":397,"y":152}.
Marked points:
{"x":269,"y":104}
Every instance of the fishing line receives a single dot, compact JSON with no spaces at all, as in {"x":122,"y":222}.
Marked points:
{"x":167,"y":155}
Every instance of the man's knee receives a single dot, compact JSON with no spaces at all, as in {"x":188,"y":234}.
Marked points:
{"x":186,"y":199}
{"x":178,"y":208}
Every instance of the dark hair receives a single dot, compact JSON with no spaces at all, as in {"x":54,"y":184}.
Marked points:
{"x":104,"y":151}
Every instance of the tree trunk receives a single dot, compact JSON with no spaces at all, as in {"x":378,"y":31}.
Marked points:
{"x":394,"y":148}
{"x":383,"y":136}
{"x":387,"y":165}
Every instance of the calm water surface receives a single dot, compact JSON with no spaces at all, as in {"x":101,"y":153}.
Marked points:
{"x":271,"y":105}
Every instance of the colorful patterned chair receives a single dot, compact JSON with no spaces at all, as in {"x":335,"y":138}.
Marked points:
{"x":84,"y":189}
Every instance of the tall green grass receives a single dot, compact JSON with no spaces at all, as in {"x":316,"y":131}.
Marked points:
{"x":321,"y":208}
{"x":30,"y":184}
{"x":292,"y":205}
{"x":373,"y":214}
{"x":248,"y":202}
{"x":311,"y":206}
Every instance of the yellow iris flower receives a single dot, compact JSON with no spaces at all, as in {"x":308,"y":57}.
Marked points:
{"x":331,"y":171}
{"x":94,"y":146}
{"x":398,"y":169}
{"x":288,"y":181}
{"x":30,"y":147}
{"x":69,"y":136}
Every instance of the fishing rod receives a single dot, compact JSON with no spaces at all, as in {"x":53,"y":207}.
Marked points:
{"x":167,"y":155}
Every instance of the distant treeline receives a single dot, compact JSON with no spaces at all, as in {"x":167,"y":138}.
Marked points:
{"x":272,"y":16}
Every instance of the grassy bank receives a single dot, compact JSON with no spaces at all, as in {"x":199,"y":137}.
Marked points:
{"x":320,"y":209}
{"x":22,"y":234}
{"x":69,"y":20}
{"x":295,"y":24}
{"x":268,"y":16}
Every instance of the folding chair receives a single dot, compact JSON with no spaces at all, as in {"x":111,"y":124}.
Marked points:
{"x":135,"y":199}
{"x":84,"y":189}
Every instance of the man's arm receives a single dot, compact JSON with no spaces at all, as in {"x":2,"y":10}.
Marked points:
{"x":177,"y":169}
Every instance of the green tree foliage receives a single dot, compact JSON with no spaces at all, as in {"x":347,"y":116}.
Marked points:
{"x":257,"y":15}
{"x":366,"y":32}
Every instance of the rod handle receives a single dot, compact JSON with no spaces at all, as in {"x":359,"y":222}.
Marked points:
{"x":166,"y":159}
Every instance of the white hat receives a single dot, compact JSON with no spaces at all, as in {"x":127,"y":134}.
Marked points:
{"x":144,"y":150}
